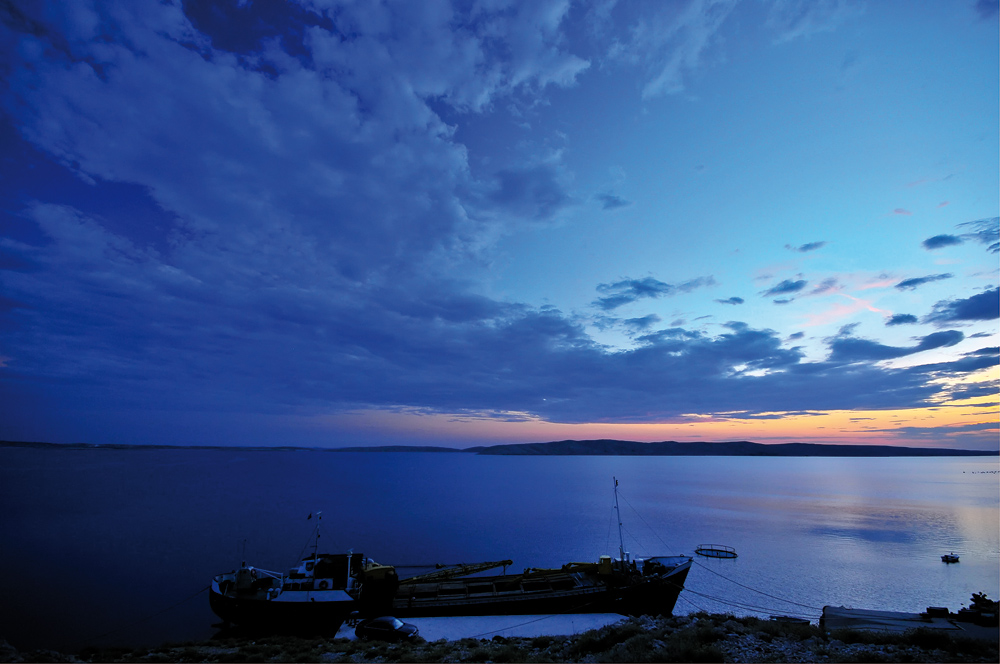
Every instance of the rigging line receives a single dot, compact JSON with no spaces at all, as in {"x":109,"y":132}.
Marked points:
{"x":306,"y":545}
{"x":611,"y":520}
{"x":692,"y":603}
{"x":152,"y":615}
{"x":638,"y":544}
{"x":780,"y":599}
{"x":656,"y":534}
{"x":752,"y":607}
{"x":741,"y":605}
{"x":574,"y":609}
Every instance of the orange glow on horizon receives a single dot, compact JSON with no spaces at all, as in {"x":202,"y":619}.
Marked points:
{"x":942,"y":424}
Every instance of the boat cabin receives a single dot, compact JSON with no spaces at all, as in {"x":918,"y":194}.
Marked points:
{"x":325,"y":571}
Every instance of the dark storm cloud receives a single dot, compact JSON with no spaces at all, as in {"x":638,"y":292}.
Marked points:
{"x":939,"y":241}
{"x":612,"y":201}
{"x":983,"y":306}
{"x":785,"y":287}
{"x":731,"y":300}
{"x":910,"y":284}
{"x":901,"y":319}
{"x":809,"y":246}
{"x":627,"y":291}
{"x":854,"y":349}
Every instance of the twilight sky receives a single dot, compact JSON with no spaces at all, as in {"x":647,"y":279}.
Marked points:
{"x":323,"y":222}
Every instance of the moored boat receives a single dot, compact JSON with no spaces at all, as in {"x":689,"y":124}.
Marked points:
{"x":632,"y":586}
{"x":315,"y":596}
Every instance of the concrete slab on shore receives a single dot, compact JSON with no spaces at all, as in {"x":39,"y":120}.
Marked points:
{"x":841,"y":617}
{"x":486,"y":627}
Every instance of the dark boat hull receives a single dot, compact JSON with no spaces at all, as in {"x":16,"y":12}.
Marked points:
{"x":655,"y":595}
{"x":315,"y":617}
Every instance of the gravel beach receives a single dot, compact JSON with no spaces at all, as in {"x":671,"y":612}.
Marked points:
{"x":695,"y":638}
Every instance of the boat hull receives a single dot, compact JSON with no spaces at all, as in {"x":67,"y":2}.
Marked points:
{"x":316,"y":612}
{"x":652,"y":595}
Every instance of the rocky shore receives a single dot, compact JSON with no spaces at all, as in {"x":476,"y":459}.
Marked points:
{"x":695,"y":638}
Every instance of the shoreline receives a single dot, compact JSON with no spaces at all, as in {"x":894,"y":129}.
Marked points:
{"x":700,"y":637}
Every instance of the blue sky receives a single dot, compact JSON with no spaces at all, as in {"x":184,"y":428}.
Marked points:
{"x":460,"y":223}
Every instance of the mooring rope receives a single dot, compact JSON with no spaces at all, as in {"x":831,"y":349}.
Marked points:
{"x":741,"y":585}
{"x":780,"y":599}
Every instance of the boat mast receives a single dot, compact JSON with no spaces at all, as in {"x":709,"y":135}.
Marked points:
{"x":319,"y":520}
{"x":621,"y":538}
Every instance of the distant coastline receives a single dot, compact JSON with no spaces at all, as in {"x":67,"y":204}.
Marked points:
{"x":602,"y":447}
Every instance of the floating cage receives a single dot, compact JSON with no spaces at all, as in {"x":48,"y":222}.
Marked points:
{"x":715,"y":551}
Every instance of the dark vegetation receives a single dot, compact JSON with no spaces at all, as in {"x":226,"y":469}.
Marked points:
{"x":697,"y":638}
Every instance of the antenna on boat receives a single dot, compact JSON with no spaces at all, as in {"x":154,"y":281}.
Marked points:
{"x":621,"y":538}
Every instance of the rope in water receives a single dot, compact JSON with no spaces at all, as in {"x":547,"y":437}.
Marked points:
{"x":780,"y":599}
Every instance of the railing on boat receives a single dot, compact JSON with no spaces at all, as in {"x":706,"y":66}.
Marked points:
{"x":715,"y":551}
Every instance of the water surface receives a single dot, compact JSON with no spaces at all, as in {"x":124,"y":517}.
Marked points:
{"x":97,"y":540}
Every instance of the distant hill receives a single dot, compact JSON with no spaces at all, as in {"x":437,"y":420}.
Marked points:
{"x":397,"y":448}
{"x":575,"y":448}
{"x":736,"y":448}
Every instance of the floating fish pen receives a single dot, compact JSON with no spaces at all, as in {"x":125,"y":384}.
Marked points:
{"x":715,"y":551}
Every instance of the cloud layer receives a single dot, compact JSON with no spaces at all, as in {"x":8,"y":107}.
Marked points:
{"x":308,"y":229}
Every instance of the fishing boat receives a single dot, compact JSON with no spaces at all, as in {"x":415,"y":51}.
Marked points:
{"x":314,"y":596}
{"x":631,"y":586}
{"x":949,"y":558}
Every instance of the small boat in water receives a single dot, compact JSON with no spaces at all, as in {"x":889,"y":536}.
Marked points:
{"x":949,"y":558}
{"x":324,"y":589}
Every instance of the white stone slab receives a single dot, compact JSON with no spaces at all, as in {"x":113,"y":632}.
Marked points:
{"x":486,"y":627}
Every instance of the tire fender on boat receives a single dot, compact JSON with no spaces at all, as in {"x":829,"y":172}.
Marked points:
{"x":323,"y":585}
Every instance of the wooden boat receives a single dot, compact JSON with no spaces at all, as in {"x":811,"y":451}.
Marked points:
{"x":631,"y":586}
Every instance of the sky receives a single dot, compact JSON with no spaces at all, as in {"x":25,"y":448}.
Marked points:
{"x":337,"y":222}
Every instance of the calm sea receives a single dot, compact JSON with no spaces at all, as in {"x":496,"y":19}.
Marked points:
{"x":122,"y":541}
